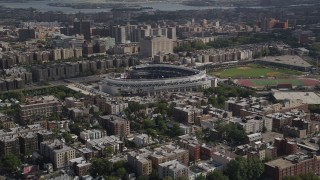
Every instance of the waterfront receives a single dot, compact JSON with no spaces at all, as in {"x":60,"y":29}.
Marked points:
{"x":163,"y":6}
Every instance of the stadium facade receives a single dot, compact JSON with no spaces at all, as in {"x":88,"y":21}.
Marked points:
{"x":155,"y":79}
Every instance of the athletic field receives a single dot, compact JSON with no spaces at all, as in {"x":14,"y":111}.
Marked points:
{"x":255,"y":71}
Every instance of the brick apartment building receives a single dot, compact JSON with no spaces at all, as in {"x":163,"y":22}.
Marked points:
{"x":115,"y":125}
{"x":285,"y":146}
{"x":292,"y":165}
{"x":39,"y":107}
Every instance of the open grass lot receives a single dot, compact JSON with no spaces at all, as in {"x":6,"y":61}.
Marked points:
{"x":255,"y":71}
{"x":259,"y":83}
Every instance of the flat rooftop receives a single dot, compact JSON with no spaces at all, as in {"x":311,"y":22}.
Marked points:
{"x":306,"y":97}
{"x":282,"y":163}
{"x":287,"y":60}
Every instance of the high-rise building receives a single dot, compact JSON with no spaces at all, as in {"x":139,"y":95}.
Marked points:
{"x":82,"y":28}
{"x":87,"y":49}
{"x":151,"y":46}
{"x":119,"y":33}
{"x":172,"y":33}
{"x":25,"y":34}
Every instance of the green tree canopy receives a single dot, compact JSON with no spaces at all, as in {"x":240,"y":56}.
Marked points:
{"x":201,"y":177}
{"x":121,"y":172}
{"x":10,"y":162}
{"x":100,"y":167}
{"x":216,"y":175}
{"x":167,"y":178}
{"x":67,"y":137}
{"x":241,"y":168}
{"x":308,"y":176}
{"x":231,"y":132}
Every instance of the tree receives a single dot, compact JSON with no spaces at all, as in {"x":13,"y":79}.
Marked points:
{"x":237,"y":169}
{"x":216,"y":175}
{"x":255,"y":168}
{"x":119,"y":164}
{"x":167,"y":178}
{"x":67,"y":137}
{"x":108,"y":151}
{"x":143,"y":177}
{"x":75,"y":129}
{"x":308,"y":176}
{"x":182,"y":178}
{"x":242,"y":169}
{"x":111,"y":178}
{"x":10,"y":162}
{"x":161,"y":125}
{"x":199,"y":134}
{"x":151,"y":132}
{"x":121,"y":172}
{"x":175,"y":130}
{"x":154,"y":174}
{"x":200,"y":177}
{"x":231,"y":132}
{"x":100,"y":167}
{"x":292,"y":178}
{"x":161,"y":107}
{"x":147,"y":123}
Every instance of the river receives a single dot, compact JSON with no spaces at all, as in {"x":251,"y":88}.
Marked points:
{"x":163,"y":6}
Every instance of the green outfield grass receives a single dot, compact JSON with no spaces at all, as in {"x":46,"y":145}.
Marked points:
{"x":255,"y":71}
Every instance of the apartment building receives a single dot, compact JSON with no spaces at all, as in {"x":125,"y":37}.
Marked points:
{"x":191,"y":144}
{"x":6,"y":122}
{"x":151,"y":46}
{"x":39,"y":107}
{"x":28,"y":143}
{"x":115,"y":125}
{"x":9,"y":145}
{"x":58,"y":153}
{"x":187,"y":115}
{"x":235,"y":105}
{"x":168,"y":153}
{"x":173,"y":169}
{"x":254,"y":124}
{"x":292,"y":165}
{"x":88,"y":135}
{"x":285,"y":146}
{"x":139,"y":161}
{"x":44,"y":135}
{"x":99,"y":145}
{"x":115,"y":107}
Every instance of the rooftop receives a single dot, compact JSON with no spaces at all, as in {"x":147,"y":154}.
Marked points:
{"x":174,"y":165}
{"x":287,"y":60}
{"x":306,"y":97}
{"x":288,"y":161}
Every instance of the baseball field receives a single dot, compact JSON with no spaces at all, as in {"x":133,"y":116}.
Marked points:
{"x":253,"y":71}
